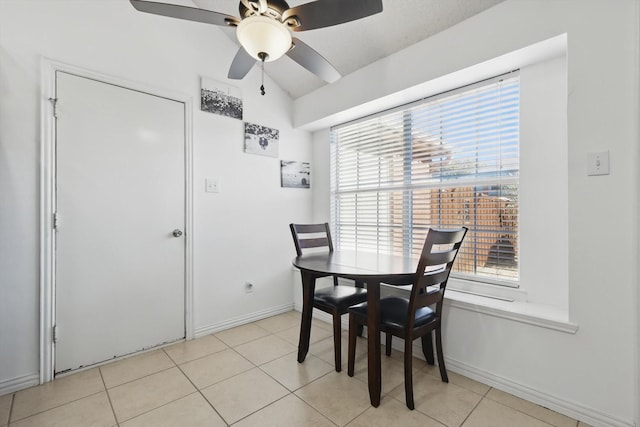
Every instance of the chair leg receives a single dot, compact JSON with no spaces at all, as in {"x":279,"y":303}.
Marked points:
{"x":351,"y":358}
{"x":387,"y":345}
{"x":337,"y":340}
{"x":408,"y":375}
{"x":443,"y":369}
{"x":427,"y":348}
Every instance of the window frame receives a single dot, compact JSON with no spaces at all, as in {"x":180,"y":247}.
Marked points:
{"x":466,"y":280}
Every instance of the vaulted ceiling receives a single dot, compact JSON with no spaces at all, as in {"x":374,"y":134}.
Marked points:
{"x":356,"y":44}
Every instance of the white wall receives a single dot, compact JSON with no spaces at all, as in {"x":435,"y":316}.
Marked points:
{"x":592,"y":374}
{"x":239,"y":234}
{"x":543,"y":183}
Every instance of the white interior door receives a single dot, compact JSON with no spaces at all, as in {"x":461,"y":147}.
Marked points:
{"x":120,"y":178}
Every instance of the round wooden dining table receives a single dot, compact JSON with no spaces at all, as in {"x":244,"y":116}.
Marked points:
{"x":369,"y":268}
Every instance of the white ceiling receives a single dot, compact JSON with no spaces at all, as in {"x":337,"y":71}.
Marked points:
{"x":356,"y":44}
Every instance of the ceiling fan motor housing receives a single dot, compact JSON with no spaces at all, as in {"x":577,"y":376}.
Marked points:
{"x":274,"y":8}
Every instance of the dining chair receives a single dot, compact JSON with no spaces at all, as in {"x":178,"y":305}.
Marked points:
{"x":413,"y":317}
{"x":335,"y":299}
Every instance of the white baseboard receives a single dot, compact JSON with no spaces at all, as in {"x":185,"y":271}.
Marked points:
{"x":241,"y":320}
{"x":19,"y":383}
{"x":571,"y":409}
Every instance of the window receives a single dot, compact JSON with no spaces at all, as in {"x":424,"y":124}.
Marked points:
{"x":443,"y":162}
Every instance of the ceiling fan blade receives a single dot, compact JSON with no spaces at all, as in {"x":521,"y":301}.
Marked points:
{"x":325,"y":13}
{"x":313,"y":61}
{"x":185,"y":12}
{"x":241,"y":65}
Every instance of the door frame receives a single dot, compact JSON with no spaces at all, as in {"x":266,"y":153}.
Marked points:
{"x":48,"y":198}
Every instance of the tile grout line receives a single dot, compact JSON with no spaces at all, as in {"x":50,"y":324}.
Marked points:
{"x":233,"y":348}
{"x":13,"y":399}
{"x":273,"y":333}
{"x":200,"y":392}
{"x":53,"y":407}
{"x":146,"y":376}
{"x":526,"y":413}
{"x":115,"y":417}
{"x":136,"y":379}
{"x":475,"y":407}
{"x":200,"y":357}
{"x":167,"y":403}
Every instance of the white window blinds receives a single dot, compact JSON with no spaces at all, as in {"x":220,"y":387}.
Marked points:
{"x":442,"y":162}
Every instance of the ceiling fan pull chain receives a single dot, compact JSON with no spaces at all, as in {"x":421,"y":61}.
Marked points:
{"x":262,"y":56}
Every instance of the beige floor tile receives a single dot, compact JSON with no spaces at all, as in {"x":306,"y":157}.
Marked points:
{"x":265,"y":349}
{"x":418,"y":363}
{"x":491,"y":413}
{"x":216,"y":367}
{"x":280,"y":322}
{"x":322,"y":324}
{"x":465,"y":382}
{"x":55,"y":393}
{"x":289,"y":411}
{"x":393,"y":413}
{"x":447,"y":403}
{"x":242,"y":334}
{"x":292,"y":335}
{"x":337,"y":396}
{"x":536,"y":411}
{"x":135,"y":367}
{"x":5,"y":407}
{"x":151,"y":392}
{"x":293,"y":375}
{"x":243,"y":394}
{"x":392,"y":372}
{"x":194,"y":349}
{"x":92,"y":411}
{"x":192,"y":411}
{"x":323,"y":349}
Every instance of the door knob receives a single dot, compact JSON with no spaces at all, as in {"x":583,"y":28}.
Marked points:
{"x":177,"y":233}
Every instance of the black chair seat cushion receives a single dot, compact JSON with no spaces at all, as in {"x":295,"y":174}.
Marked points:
{"x":340,"y":296}
{"x":393,"y":313}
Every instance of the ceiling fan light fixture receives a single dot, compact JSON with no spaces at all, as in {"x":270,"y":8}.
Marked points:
{"x":259,"y":34}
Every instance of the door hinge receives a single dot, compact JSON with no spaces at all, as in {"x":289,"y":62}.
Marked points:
{"x":55,"y":220}
{"x":54,"y":333}
{"x":54,"y":102}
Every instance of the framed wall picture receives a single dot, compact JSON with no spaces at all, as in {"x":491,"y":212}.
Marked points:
{"x":219,"y":98}
{"x":261,"y":140}
{"x":295,"y":174}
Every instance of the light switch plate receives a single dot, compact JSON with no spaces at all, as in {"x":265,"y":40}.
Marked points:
{"x":598,"y":163}
{"x":211,"y":185}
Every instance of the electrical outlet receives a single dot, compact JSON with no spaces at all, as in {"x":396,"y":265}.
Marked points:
{"x":248,"y":287}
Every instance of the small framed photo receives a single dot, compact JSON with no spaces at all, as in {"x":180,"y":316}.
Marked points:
{"x":295,"y":174}
{"x":261,"y":140}
{"x":219,"y":98}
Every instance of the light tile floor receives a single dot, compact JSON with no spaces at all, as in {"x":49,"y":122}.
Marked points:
{"x":249,"y":376}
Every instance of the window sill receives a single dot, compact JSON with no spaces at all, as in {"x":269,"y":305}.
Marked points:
{"x":540,"y":315}
{"x":524,"y":312}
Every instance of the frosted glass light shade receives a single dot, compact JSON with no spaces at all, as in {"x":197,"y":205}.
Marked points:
{"x":261,"y":34}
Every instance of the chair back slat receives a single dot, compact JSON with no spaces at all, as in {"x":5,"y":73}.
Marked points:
{"x":317,"y":242}
{"x":442,"y":257}
{"x":310,"y":228}
{"x":311,"y":236}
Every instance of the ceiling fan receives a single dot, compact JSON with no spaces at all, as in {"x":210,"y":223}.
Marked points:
{"x":264,"y":29}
